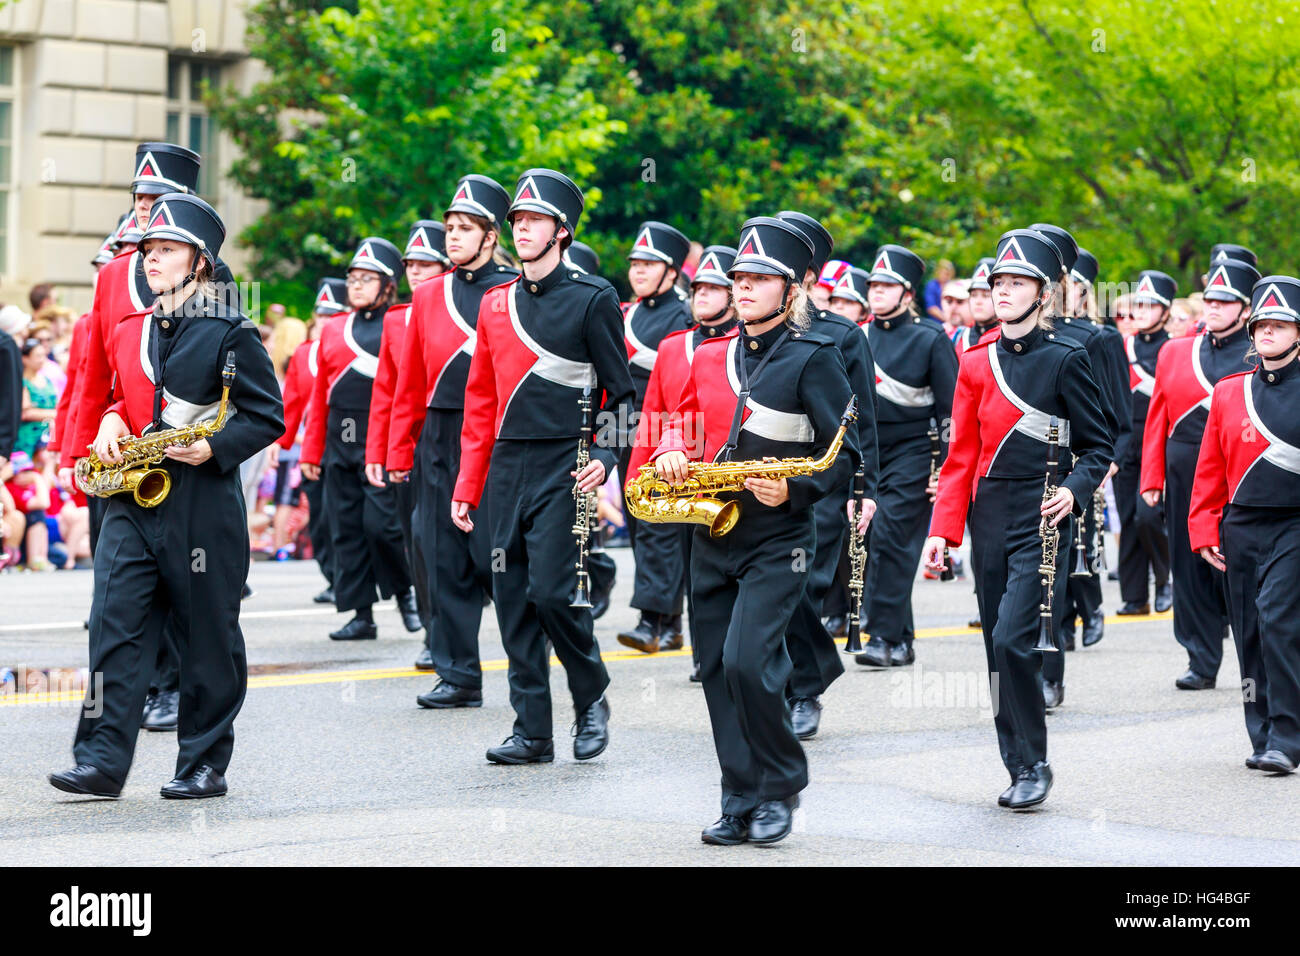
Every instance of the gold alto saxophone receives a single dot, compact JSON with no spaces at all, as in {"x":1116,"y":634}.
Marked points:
{"x":655,"y":500}
{"x":133,"y":474}
{"x":1050,"y":535}
{"x":584,"y":505}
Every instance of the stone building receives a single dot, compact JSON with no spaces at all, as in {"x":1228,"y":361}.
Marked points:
{"x":81,"y":83}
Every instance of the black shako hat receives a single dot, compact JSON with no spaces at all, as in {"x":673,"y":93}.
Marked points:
{"x":1229,"y":250}
{"x":162,"y":168}
{"x":660,"y":242}
{"x":1064,"y":242}
{"x":1027,"y":252}
{"x":771,"y":246}
{"x":582,"y":257}
{"x":898,"y":264}
{"x":1231,"y":280}
{"x":480,"y":196}
{"x":427,"y":242}
{"x":1085,"y":268}
{"x":186,"y":219}
{"x":1155,"y":286}
{"x":715,"y":264}
{"x":550,"y":193}
{"x":979,"y":279}
{"x":822,"y":242}
{"x":378,"y":255}
{"x":852,"y":286}
{"x":331,"y":296}
{"x":1275,"y":297}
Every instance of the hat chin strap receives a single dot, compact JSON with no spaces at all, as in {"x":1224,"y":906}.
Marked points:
{"x":780,"y":309}
{"x":555,"y":237}
{"x":194,"y":268}
{"x":1037,"y":304}
{"x":716,"y":317}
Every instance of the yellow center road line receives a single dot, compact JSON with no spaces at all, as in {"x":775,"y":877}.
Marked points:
{"x":245,"y":616}
{"x":400,"y":673}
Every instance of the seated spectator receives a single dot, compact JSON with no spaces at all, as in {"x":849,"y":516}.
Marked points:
{"x":31,"y":495}
{"x":40,"y":399}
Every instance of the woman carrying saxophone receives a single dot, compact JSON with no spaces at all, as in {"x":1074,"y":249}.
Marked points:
{"x":1011,"y":391}
{"x":775,"y":391}
{"x":183,"y":551}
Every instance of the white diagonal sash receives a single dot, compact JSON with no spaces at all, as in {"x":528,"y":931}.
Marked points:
{"x":642,"y":355}
{"x":1280,"y":453}
{"x":767,"y":422}
{"x":1033,"y":422}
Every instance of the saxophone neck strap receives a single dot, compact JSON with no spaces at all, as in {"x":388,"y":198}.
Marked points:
{"x":746,"y":385}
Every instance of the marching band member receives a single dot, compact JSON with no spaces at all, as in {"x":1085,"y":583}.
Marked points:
{"x":1245,"y":519}
{"x":916,"y":372}
{"x":424,"y":442}
{"x":422,"y":259}
{"x":189,"y":555}
{"x":1143,"y":545}
{"x":1186,"y":373}
{"x":1008,"y":391}
{"x":812,"y":650}
{"x":828,"y":277}
{"x":714,"y":317}
{"x":299,"y":382}
{"x":793,"y":388}
{"x":366,"y":536}
{"x":660,"y":309}
{"x":541,"y":340}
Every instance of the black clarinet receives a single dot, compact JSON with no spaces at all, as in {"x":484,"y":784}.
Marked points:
{"x":935,"y":450}
{"x":1051,"y":538}
{"x":584,"y":506}
{"x":857,"y":566}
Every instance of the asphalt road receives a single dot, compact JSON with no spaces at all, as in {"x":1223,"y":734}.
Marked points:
{"x":334,"y":763}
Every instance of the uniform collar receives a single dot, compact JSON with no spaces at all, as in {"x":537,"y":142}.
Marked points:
{"x":1159,"y":335}
{"x":169,"y":322}
{"x":1026,"y":343}
{"x":549,"y":281}
{"x":895,"y":321}
{"x":716,"y":331}
{"x":475,"y":275}
{"x":662,"y":298}
{"x":1234,"y":338}
{"x":369,"y":315}
{"x":983,"y":330}
{"x":758,"y":344}
{"x":1277,"y":376}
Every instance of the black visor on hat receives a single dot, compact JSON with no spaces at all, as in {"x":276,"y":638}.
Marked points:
{"x":162,"y":168}
{"x":897,"y":264}
{"x":1231,"y":280}
{"x":480,"y":196}
{"x":1026,"y":252}
{"x":715,"y":264}
{"x":187,"y":219}
{"x":660,"y":242}
{"x":427,"y":242}
{"x":378,"y":255}
{"x":1085,"y":268}
{"x":822,"y":242}
{"x":771,"y":246}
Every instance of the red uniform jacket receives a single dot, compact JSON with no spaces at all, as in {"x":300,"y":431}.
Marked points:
{"x":298,"y":383}
{"x":63,"y":419}
{"x":396,"y":320}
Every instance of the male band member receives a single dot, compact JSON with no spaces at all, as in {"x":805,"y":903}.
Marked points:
{"x":1143,"y":544}
{"x":424,"y":447}
{"x":542,"y":340}
{"x":655,"y":262}
{"x":916,"y":371}
{"x":1186,"y":373}
{"x":299,"y":382}
{"x":367,"y":538}
{"x":1245,"y":520}
{"x":187,"y":556}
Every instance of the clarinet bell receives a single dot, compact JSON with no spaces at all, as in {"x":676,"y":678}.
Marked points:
{"x":947,"y":574}
{"x":582,"y":593}
{"x":1045,"y":643}
{"x":854,"y":643}
{"x":1080,"y":569}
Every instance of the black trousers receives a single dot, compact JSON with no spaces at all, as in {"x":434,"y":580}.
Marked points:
{"x":897,"y":537}
{"x":167,"y":664}
{"x":1081,"y":598}
{"x":187,"y":559}
{"x":660,"y":552}
{"x":1005,"y":555}
{"x":404,"y":502}
{"x":368,"y":552}
{"x":836,"y":602}
{"x":318,"y":528}
{"x":534,"y":558}
{"x":1143,"y":545}
{"x":456,"y":566}
{"x":96,"y":508}
{"x":813,"y":652}
{"x":745,"y":587}
{"x":1262,"y":550}
{"x":1200,"y":597}
{"x":602,"y":570}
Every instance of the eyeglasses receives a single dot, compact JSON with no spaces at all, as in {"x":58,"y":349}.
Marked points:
{"x":359,"y":281}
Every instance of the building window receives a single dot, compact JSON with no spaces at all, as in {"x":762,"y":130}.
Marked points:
{"x":6,"y":149}
{"x":188,"y":122}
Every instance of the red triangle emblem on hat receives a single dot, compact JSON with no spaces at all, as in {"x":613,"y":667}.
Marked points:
{"x":882,"y":264}
{"x":751,"y":245}
{"x":417,"y":241}
{"x":462,"y":193}
{"x":365,"y":252}
{"x":161,"y":217}
{"x":1012,"y":252}
{"x":1219,"y":279}
{"x":1146,"y":285}
{"x":981,"y":271}
{"x":526,"y":191}
{"x":1270,"y":301}
{"x":326,"y":295}
{"x":643,"y":240}
{"x":710,"y":264}
{"x":146,"y":169}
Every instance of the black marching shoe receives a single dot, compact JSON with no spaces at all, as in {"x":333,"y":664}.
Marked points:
{"x":410,"y":611}
{"x":645,"y":636}
{"x":877,"y":653}
{"x":772,"y":820}
{"x":600,"y":603}
{"x":805,"y":716}
{"x":1194,"y":681}
{"x":670,"y":634}
{"x":900,"y":655}
{"x":1134,"y":609}
{"x":728,"y":831}
{"x":164,"y":713}
{"x":204,"y":782}
{"x":1252,"y":762}
{"x":974,"y":622}
{"x":425,"y":661}
{"x":591,"y":731}
{"x":516,"y":750}
{"x":1094,"y":629}
{"x":695,"y":674}
{"x":356,"y":630}
{"x":1067,"y":633}
{"x":837,"y":625}
{"x":445,"y":695}
{"x":1164,"y":598}
{"x":1004,"y":798}
{"x":87,"y":780}
{"x":1032,"y":786}
{"x":325,"y":597}
{"x":1053,"y":694}
{"x":1274,"y":761}
{"x":150,"y":702}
